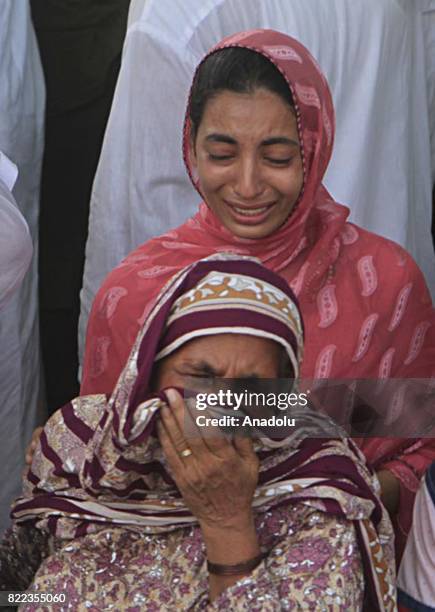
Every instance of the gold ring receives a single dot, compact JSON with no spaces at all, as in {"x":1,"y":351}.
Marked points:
{"x":186,"y":452}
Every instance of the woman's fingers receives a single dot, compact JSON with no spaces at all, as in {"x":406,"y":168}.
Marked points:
{"x":200,"y":439}
{"x":171,"y":453}
{"x":217,"y":487}
{"x":173,"y":431}
{"x":173,"y":419}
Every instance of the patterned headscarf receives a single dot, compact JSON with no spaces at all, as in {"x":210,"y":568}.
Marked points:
{"x":100,"y":463}
{"x":236,"y":301}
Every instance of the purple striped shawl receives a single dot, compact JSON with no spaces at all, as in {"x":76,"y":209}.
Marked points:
{"x":99,"y":461}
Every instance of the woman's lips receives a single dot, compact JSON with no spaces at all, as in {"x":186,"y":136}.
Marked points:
{"x":252,"y":215}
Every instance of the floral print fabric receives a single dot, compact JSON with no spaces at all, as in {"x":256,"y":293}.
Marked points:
{"x":313,"y":563}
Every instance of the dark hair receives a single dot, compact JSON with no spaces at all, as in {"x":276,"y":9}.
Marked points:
{"x":235,"y":69}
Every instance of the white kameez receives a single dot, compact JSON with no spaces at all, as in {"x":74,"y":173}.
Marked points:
{"x":15,"y":243}
{"x":22,"y":98}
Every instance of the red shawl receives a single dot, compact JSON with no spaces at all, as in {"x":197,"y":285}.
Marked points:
{"x":366,"y":307}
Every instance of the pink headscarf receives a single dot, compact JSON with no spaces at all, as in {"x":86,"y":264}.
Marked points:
{"x":366,"y":307}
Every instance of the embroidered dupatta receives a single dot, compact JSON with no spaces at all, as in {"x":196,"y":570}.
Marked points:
{"x":99,"y":462}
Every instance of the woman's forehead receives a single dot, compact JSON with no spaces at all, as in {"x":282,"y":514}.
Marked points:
{"x":219,"y":352}
{"x":261,"y":114}
{"x":312,"y":100}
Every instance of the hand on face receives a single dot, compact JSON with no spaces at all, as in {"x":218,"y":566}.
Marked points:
{"x":218,"y":479}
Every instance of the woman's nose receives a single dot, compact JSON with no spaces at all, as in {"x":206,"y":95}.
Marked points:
{"x":248,"y":183}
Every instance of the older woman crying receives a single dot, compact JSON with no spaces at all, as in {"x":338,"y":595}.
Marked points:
{"x":132,"y":506}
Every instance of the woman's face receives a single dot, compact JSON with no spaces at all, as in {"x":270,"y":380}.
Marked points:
{"x":248,"y":158}
{"x":221,"y":356}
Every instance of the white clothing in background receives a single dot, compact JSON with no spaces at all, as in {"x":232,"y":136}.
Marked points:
{"x":21,"y":139}
{"x":372,"y":52}
{"x":428,"y":16}
{"x":15,"y":242}
{"x":415,"y":581}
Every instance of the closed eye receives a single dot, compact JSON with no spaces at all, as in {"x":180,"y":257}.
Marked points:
{"x":279,"y":162}
{"x":198,"y":370}
{"x":207,"y":375}
{"x":220,"y":157}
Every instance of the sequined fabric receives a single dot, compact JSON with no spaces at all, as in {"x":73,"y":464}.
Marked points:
{"x":313,"y":563}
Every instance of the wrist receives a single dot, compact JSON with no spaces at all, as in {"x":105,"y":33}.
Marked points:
{"x":239,"y":524}
{"x":235,"y":569}
{"x":232,"y":544}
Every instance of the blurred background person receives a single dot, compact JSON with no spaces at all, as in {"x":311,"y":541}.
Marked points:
{"x":428,"y":8}
{"x":80,"y":43}
{"x":21,"y":139}
{"x":15,"y":242}
{"x":416,"y":588}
